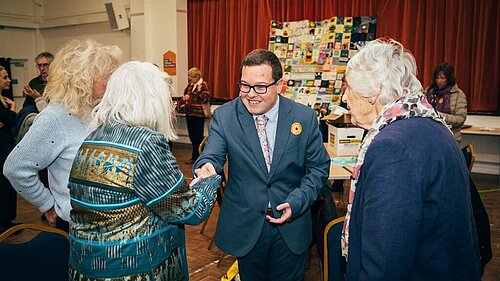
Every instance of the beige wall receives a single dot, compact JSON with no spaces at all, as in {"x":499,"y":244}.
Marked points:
{"x":30,"y":27}
{"x":33,"y":26}
{"x":158,"y":26}
{"x":56,"y":37}
{"x":19,"y":40}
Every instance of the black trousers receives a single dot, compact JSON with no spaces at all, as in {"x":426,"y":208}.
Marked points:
{"x":196,"y":126}
{"x":8,"y":200}
{"x":271,"y":260}
{"x":482,"y":225}
{"x":62,"y":224}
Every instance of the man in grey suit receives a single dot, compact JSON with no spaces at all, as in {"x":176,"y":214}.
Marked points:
{"x":277,"y":166}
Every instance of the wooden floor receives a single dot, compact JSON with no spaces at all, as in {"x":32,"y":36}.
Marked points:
{"x":205,"y":264}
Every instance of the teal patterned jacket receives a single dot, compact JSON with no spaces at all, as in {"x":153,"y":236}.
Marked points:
{"x":130,"y":201}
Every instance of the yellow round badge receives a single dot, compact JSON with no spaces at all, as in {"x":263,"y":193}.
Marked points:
{"x":296,"y":129}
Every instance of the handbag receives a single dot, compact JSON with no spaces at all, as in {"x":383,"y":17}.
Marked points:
{"x":206,"y":110}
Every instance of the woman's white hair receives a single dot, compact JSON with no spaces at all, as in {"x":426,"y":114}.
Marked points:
{"x":136,"y":95}
{"x":383,"y":67}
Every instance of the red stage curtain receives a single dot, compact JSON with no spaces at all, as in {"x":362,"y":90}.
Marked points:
{"x":463,"y":33}
{"x":221,"y":33}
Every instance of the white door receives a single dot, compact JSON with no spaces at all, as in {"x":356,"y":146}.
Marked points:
{"x":19,"y":75}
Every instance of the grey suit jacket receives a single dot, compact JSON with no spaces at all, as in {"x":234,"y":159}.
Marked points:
{"x":300,"y":168}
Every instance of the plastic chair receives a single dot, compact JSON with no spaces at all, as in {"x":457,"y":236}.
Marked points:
{"x":333,"y":260}
{"x":44,"y":257}
{"x":470,"y":156}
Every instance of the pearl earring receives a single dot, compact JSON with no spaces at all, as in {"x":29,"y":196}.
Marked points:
{"x":370,"y":100}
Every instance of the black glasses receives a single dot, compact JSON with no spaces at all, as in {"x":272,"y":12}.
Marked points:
{"x":259,"y":89}
{"x":43,"y":64}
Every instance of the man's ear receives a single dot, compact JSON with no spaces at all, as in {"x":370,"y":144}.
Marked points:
{"x":279,"y":84}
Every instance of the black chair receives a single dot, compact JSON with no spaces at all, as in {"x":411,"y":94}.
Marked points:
{"x":481,"y":218}
{"x":44,"y":257}
{"x":337,"y":186}
{"x":470,"y":156}
{"x":323,"y":211}
{"x":333,"y":260}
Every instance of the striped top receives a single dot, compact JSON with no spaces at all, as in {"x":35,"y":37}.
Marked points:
{"x":128,"y":197}
{"x":198,"y":94}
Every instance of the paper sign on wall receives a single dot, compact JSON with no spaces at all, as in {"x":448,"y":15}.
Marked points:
{"x":169,"y":63}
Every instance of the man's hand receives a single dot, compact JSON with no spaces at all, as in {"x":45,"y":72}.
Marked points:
{"x":285,"y":215}
{"x":204,"y":171}
{"x":31,"y":92}
{"x":51,"y":217}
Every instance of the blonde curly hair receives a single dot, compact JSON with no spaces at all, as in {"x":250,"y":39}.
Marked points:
{"x":75,"y":69}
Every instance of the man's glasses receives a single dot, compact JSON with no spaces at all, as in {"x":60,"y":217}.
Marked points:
{"x":43,"y":65}
{"x":259,"y":89}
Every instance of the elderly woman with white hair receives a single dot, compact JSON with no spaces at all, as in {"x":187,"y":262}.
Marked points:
{"x":77,"y":80}
{"x":129,"y":197}
{"x":409,"y":215}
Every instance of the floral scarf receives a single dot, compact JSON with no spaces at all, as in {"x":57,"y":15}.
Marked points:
{"x":440,"y":98}
{"x":415,"y":105}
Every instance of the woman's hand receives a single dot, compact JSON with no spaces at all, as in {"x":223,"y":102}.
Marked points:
{"x":186,"y":97}
{"x":10,"y":103}
{"x":51,"y":216}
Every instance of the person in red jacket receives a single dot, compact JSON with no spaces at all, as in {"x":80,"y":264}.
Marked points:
{"x":195,"y":95}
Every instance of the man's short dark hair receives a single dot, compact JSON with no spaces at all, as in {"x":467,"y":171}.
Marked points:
{"x":447,"y":71}
{"x":46,"y":55}
{"x":262,"y":56}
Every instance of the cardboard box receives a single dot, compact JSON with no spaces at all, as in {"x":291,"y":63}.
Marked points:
{"x":345,"y":141}
{"x":337,"y":119}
